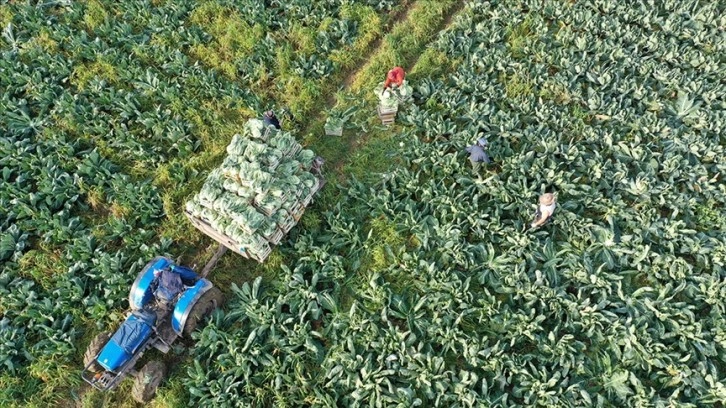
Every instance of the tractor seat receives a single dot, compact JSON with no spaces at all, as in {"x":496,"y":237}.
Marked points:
{"x":169,"y":285}
{"x":173,"y":281}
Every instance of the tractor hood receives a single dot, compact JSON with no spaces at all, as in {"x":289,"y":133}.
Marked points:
{"x":113,"y":356}
{"x":127,"y":340}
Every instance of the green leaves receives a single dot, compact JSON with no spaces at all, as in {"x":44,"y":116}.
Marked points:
{"x":616,"y":383}
{"x":423,"y":289}
{"x":12,"y":243}
{"x":12,"y":347}
{"x":684,"y":107}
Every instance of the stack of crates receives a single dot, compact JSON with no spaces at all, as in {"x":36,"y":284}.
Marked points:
{"x":387,"y":114}
{"x":245,"y":204}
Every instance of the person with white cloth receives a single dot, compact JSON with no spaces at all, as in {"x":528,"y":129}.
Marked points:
{"x":547,"y":204}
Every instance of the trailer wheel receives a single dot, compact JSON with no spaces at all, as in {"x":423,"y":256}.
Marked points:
{"x":209,"y":301}
{"x":93,"y":349}
{"x":147,"y":381}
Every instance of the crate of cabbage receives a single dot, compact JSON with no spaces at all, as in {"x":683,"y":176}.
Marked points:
{"x":337,"y":119}
{"x":258,"y":193}
{"x":390,"y":99}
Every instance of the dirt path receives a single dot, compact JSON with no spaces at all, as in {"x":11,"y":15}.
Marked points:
{"x":358,"y":142}
{"x":402,"y":15}
{"x":350,"y":76}
{"x":448,"y":20}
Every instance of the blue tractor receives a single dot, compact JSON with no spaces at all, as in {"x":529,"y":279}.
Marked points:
{"x":167,"y":301}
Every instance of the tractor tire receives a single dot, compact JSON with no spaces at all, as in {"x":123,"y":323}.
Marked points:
{"x":147,"y":381}
{"x":209,"y":301}
{"x":94,"y":348}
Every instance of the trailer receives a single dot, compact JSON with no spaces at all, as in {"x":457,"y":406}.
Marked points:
{"x":239,"y":248}
{"x":167,"y":300}
{"x":259,"y":193}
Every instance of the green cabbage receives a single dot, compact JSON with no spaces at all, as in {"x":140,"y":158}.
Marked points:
{"x":255,"y":128}
{"x":306,"y":158}
{"x":308,"y":179}
{"x":254,"y":149}
{"x":268,"y":229}
{"x":209,"y":194}
{"x":284,"y":141}
{"x":245,"y":191}
{"x":193,"y":206}
{"x":249,"y":219}
{"x":237,"y":146}
{"x":287,"y":168}
{"x":260,"y":172}
{"x":232,"y":186}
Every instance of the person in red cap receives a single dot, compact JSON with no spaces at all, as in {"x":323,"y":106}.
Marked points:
{"x":395,"y":77}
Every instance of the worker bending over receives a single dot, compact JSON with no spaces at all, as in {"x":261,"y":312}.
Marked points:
{"x":394,"y":77}
{"x":478,"y":155}
{"x":269,"y":119}
{"x":545,"y":210}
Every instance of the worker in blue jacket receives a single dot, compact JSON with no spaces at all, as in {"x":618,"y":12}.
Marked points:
{"x":478,"y":155}
{"x":269,"y":119}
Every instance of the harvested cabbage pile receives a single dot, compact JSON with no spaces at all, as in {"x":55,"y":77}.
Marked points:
{"x":393,"y":96}
{"x":260,"y":190}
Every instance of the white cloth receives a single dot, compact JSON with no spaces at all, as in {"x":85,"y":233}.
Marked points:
{"x":547,"y":210}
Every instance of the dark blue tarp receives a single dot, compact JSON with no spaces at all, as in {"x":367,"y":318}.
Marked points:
{"x":188,"y":276}
{"x":170,"y":285}
{"x":135,"y":330}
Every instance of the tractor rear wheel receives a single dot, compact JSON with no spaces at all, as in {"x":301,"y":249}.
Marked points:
{"x":209,"y":301}
{"x":147,"y":381}
{"x":94,"y":348}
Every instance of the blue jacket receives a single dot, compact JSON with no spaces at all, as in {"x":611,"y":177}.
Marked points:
{"x":271,"y":121}
{"x":169,"y":285}
{"x":477,"y":154}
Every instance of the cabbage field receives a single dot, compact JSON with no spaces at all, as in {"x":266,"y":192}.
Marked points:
{"x":409,"y":282}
